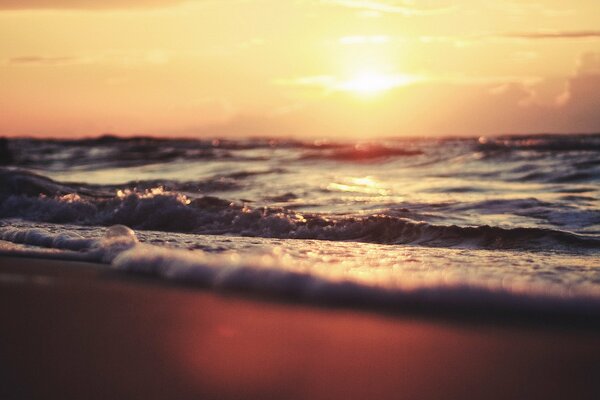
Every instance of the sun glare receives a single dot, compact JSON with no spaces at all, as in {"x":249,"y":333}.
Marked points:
{"x":371,"y":83}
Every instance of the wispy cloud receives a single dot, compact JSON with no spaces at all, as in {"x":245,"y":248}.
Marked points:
{"x":464,"y":40}
{"x":84,"y":4}
{"x":404,"y":8}
{"x":155,"y":56}
{"x":581,"y":34}
{"x":41,"y":60}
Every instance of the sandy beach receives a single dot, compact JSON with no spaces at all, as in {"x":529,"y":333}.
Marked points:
{"x":74,"y":330}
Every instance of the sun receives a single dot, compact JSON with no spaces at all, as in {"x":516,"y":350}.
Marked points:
{"x":371,"y":82}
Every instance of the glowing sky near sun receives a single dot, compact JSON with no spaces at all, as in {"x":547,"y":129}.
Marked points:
{"x":307,"y":68}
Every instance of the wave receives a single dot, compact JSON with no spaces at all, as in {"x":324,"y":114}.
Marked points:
{"x":116,"y":152}
{"x":565,"y":214}
{"x":71,"y":246}
{"x":270,"y":275}
{"x":265,"y":275}
{"x":541,"y":143}
{"x":26,"y":183}
{"x":32,"y":197}
{"x":111,"y":151}
{"x":42,"y":238}
{"x":359,"y":153}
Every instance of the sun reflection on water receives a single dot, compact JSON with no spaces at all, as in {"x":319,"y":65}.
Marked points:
{"x":366,"y":185}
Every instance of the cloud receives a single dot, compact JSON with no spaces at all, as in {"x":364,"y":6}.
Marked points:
{"x":84,"y":4}
{"x":40,"y":60}
{"x":437,"y":107}
{"x":583,"y":34}
{"x":405,"y":8}
{"x":589,"y":64}
{"x":580,"y":101}
{"x":522,"y":9}
{"x":154,"y":57}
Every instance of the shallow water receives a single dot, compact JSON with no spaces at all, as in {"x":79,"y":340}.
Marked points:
{"x":511,"y":220}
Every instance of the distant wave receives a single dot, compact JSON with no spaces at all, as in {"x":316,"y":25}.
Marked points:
{"x":37,"y":198}
{"x":112,"y":151}
{"x":542,"y":143}
{"x":360,"y":152}
{"x":30,"y":184}
{"x":116,"y":152}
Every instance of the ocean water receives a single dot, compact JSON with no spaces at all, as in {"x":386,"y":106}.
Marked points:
{"x":501,"y":224}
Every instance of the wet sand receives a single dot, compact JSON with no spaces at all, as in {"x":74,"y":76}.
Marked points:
{"x":76,"y":331}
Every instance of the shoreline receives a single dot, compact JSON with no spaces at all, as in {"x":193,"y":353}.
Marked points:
{"x":73,"y":330}
{"x":527,"y":315}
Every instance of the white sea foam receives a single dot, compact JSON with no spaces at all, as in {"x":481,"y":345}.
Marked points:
{"x":116,"y":239}
{"x":269,"y":275}
{"x":318,"y":279}
{"x":42,"y":238}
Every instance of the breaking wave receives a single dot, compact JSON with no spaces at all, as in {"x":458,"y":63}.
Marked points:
{"x":270,"y":275}
{"x":36,"y":198}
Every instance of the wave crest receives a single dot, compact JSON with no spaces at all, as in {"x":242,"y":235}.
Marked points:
{"x":158,"y":209}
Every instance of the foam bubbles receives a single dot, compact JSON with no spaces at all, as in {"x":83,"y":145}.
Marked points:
{"x":120,"y":232}
{"x":117,"y":239}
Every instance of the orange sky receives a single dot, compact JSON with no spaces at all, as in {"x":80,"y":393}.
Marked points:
{"x":304,"y":68}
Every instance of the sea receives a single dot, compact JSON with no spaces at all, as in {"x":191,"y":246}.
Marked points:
{"x":504,"y":225}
